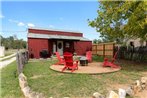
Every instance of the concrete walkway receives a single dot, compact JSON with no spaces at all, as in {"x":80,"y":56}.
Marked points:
{"x":7,"y":62}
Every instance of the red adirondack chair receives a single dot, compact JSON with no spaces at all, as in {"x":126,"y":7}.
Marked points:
{"x":89,"y":56}
{"x":111,"y":63}
{"x":69,"y":63}
{"x":60,"y":60}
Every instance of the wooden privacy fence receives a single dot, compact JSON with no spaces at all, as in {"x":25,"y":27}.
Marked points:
{"x":21,"y":58}
{"x":103,"y":49}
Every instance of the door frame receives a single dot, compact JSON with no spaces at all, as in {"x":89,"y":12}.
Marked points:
{"x":62,"y":47}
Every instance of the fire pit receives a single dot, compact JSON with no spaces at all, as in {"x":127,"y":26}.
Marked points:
{"x":83,"y":61}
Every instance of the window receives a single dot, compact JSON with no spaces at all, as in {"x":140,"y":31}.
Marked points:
{"x":67,"y":45}
{"x":131,"y":43}
{"x":59,"y":45}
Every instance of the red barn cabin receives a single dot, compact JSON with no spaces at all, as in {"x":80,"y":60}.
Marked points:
{"x":50,"y":40}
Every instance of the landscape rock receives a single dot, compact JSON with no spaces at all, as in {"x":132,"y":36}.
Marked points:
{"x":122,"y":93}
{"x":137,"y":87}
{"x":129,"y":91}
{"x":143,"y":79}
{"x":22,"y":83}
{"x":22,"y":77}
{"x":143,"y":86}
{"x":143,"y":82}
{"x":97,"y":95}
{"x":112,"y":94}
{"x":32,"y":94}
{"x":26,"y":91}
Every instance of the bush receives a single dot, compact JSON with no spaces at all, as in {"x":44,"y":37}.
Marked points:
{"x":44,"y":54}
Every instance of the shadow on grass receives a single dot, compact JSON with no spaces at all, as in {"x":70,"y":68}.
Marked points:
{"x":131,"y":66}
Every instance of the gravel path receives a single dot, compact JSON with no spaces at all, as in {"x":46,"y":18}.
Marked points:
{"x":6,"y":62}
{"x":8,"y":56}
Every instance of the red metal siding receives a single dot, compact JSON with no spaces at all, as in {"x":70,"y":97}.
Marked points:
{"x":82,"y":46}
{"x":51,"y":32}
{"x":36,"y":45}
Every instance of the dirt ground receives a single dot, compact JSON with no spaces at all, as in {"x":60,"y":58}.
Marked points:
{"x":142,"y":94}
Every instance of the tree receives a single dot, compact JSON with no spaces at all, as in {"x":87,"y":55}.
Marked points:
{"x":118,"y":20}
{"x":96,"y":41}
{"x":13,"y":43}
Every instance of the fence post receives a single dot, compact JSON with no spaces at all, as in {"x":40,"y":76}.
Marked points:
{"x":26,"y":57}
{"x":18,"y":63}
{"x":22,"y":59}
{"x":104,"y":50}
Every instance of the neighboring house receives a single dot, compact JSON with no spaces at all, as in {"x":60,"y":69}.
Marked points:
{"x":56,"y":40}
{"x":136,"y":42}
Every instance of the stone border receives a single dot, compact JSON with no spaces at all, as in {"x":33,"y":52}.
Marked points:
{"x":26,"y":90}
{"x":132,"y":90}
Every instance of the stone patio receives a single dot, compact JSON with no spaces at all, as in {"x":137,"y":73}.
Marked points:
{"x":92,"y":68}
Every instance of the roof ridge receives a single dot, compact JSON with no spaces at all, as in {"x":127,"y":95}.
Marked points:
{"x":46,"y":36}
{"x":52,"y":29}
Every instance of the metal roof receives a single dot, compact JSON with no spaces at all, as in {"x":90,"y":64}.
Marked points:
{"x":47,"y":36}
{"x":51,"y":29}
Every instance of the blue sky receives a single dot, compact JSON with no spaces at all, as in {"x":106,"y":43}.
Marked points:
{"x":67,"y":15}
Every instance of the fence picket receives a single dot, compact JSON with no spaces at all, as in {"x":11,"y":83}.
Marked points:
{"x":103,"y":49}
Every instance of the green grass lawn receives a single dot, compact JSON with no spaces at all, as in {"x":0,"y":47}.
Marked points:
{"x":9,"y":82}
{"x":57,"y":85}
{"x":42,"y":79}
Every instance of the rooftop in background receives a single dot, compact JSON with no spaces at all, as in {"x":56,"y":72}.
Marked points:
{"x":48,"y":33}
{"x":51,"y":29}
{"x":45,"y":36}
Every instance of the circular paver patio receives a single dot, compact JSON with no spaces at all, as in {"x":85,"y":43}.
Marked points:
{"x":92,"y":68}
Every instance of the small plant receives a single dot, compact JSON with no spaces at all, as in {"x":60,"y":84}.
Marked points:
{"x":97,"y":58}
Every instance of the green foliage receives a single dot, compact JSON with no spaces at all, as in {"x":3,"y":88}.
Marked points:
{"x":96,"y":41}
{"x":97,"y":58}
{"x":13,"y":43}
{"x":121,"y":19}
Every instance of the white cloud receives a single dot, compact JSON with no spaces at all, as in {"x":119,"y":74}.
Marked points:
{"x":51,"y":26}
{"x":1,"y":16}
{"x":30,"y":25}
{"x":21,"y":24}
